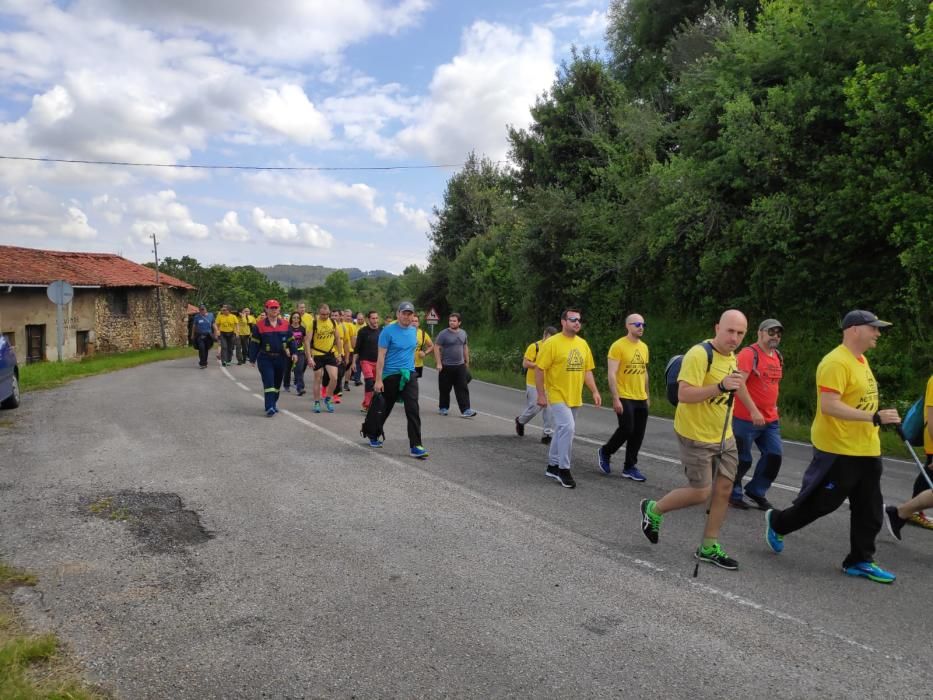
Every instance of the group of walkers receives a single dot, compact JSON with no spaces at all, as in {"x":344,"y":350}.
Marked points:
{"x":715,"y":432}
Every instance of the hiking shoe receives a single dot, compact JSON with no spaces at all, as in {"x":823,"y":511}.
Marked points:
{"x":551,"y":472}
{"x":418,"y":452}
{"x":317,"y":407}
{"x":893,"y":521}
{"x":761,"y":502}
{"x":337,"y":398}
{"x":633,"y":473}
{"x":566,"y":479}
{"x":364,"y":410}
{"x":519,"y":428}
{"x":442,"y":411}
{"x":469,"y":413}
{"x":650,"y":523}
{"x":739,"y":503}
{"x":774,"y":540}
{"x":287,"y":389}
{"x":329,"y":405}
{"x":919,"y":518}
{"x":714,"y":554}
{"x":602,"y":461}
{"x":346,"y":386}
{"x":869,"y":570}
{"x":302,"y":392}
{"x":375,"y":442}
{"x":546,"y":439}
{"x":270,"y":412}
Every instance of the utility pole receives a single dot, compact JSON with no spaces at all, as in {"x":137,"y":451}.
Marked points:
{"x":155,"y":251}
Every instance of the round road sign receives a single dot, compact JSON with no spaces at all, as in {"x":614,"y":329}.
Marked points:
{"x":60,"y":292}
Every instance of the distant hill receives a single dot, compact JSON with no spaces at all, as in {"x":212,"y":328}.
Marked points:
{"x":304,"y":276}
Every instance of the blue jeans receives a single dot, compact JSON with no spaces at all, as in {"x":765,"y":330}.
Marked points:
{"x":768,"y":439}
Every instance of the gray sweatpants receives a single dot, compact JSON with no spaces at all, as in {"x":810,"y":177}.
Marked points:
{"x":532,"y":409}
{"x":564,"y":419}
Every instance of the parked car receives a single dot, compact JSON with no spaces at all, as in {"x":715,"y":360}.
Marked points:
{"x":9,"y":375}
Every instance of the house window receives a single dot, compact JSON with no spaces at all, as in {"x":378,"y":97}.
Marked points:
{"x":10,"y":337}
{"x":35,"y":343}
{"x":81,"y":338}
{"x":119,"y":303}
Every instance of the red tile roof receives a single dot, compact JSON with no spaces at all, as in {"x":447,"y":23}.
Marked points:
{"x":33,"y":266}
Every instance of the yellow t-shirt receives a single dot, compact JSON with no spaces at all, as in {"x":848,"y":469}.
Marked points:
{"x":704,"y":421}
{"x":349,"y":333}
{"x":565,"y":361}
{"x":424,"y":338}
{"x":531,"y":354}
{"x":245,"y":326}
{"x":927,"y":404}
{"x":227,"y":323}
{"x":306,"y":321}
{"x":633,"y":367}
{"x":851,"y":378}
{"x":324,"y":340}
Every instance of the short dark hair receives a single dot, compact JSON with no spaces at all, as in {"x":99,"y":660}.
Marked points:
{"x":456,"y":316}
{"x":371,"y":312}
{"x":563,"y":315}
{"x":550,"y":330}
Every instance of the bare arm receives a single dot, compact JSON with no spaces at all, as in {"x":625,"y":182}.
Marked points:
{"x":831,"y":405}
{"x":590,"y":382}
{"x":437,"y":357}
{"x":930,"y":421}
{"x":466,"y":356}
{"x":539,"y":385}
{"x":746,"y":398}
{"x":380,"y":366}
{"x":687,"y":393}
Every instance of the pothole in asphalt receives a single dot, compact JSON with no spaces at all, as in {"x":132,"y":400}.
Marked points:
{"x":158,"y":520}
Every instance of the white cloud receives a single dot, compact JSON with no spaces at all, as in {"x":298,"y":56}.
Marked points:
{"x":491,"y":83}
{"x":316,"y":188}
{"x":34,"y":213}
{"x":230,"y":228}
{"x":284,"y":232}
{"x":288,"y":111}
{"x":419,"y":219}
{"x":163,"y":215}
{"x":587,"y":28}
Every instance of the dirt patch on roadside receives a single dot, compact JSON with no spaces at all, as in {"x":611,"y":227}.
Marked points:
{"x":158,"y":520}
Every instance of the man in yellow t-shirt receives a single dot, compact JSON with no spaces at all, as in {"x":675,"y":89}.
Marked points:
{"x":564,"y":365}
{"x":628,"y":383}
{"x":307,"y":320}
{"x":244,"y":329}
{"x":227,"y":325}
{"x":423,"y":347}
{"x":531,"y":391}
{"x":912,"y":510}
{"x":846,"y":450}
{"x":323,"y":347}
{"x":707,"y":383}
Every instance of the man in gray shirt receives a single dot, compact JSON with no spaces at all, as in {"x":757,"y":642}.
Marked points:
{"x":452,"y":355}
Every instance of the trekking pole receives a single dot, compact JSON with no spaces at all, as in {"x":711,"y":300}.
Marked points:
{"x":910,"y":448}
{"x":716,"y":460}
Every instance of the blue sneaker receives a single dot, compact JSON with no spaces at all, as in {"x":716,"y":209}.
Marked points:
{"x":418,"y":452}
{"x":775,"y":541}
{"x":442,"y":411}
{"x":869,"y":570}
{"x":374,"y":442}
{"x":469,"y":413}
{"x":270,"y":412}
{"x":603,"y":462}
{"x":633,"y":473}
{"x":317,"y":407}
{"x":329,"y":405}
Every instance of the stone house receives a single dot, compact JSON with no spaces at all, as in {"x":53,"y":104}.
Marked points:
{"x":114,"y":309}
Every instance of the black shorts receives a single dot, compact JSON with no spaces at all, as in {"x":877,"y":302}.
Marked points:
{"x":328,"y":359}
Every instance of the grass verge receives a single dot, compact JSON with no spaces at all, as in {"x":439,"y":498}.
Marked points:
{"x":45,"y":375}
{"x":33,"y":666}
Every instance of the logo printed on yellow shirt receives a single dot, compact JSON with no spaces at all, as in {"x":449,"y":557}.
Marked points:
{"x":869,"y":400}
{"x":575,"y":361}
{"x":637,"y":365}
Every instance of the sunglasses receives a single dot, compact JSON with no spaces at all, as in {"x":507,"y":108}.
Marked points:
{"x":573,"y":319}
{"x":639,"y":324}
{"x":775,"y":331}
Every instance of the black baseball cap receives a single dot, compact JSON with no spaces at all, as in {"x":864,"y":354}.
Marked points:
{"x":860,"y":317}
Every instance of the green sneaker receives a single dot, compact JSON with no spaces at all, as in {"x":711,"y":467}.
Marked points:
{"x":715,"y":555}
{"x":650,"y":523}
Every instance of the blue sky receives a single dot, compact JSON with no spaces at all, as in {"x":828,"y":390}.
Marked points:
{"x":289,"y":83}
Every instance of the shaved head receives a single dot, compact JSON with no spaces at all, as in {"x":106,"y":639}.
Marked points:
{"x":730,"y":330}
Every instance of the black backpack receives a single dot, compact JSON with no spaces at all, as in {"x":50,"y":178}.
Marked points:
{"x":673,"y":369}
{"x":375,"y":417}
{"x":755,"y":358}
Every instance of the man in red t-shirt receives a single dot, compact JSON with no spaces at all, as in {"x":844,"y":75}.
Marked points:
{"x":755,"y":417}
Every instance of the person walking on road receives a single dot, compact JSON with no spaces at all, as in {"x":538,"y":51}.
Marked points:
{"x":244,"y":328}
{"x":366,"y":346}
{"x":531,"y":391}
{"x":628,"y":383}
{"x":564,"y":365}
{"x":755,"y":417}
{"x":846,"y":450}
{"x":423,"y":347}
{"x":227,"y":325}
{"x":203,"y":333}
{"x":323,"y":347}
{"x":919,"y":517}
{"x":396,"y":378}
{"x":272,"y":348}
{"x":708,"y":375}
{"x":452,"y":358}
{"x":301,"y":361}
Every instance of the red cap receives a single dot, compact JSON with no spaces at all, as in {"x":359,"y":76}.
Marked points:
{"x":272,"y":304}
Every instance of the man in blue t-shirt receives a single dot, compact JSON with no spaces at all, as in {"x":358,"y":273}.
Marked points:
{"x":396,"y":378}
{"x":203,"y":333}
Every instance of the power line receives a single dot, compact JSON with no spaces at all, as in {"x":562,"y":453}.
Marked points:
{"x":195,"y":166}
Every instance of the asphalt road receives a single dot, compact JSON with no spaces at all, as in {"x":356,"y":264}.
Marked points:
{"x":333,"y":570}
